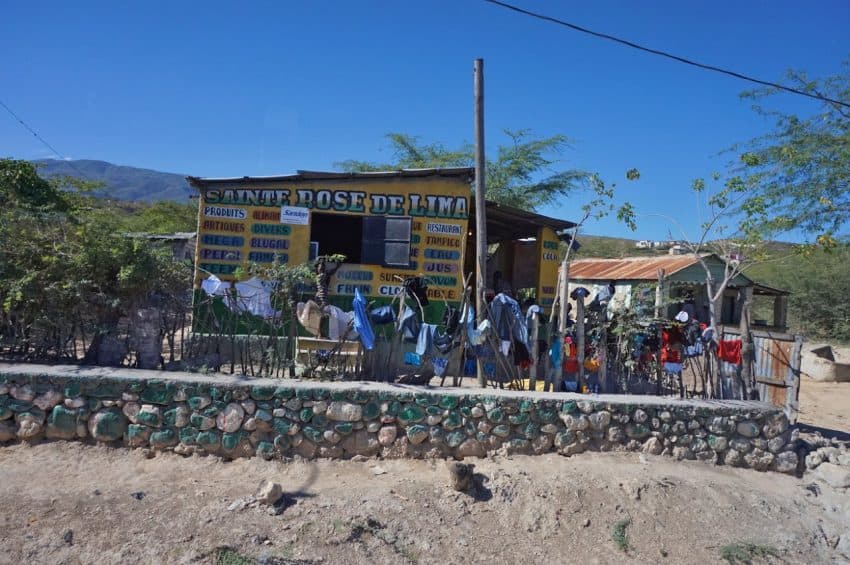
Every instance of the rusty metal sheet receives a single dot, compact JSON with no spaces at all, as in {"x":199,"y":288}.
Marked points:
{"x":631,"y":268}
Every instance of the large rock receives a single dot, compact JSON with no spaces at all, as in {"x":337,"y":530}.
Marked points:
{"x":48,"y":400}
{"x":387,"y":435}
{"x":600,"y":420}
{"x":360,"y":442}
{"x":470,"y":448}
{"x":229,"y":420}
{"x":268,"y":492}
{"x":344,"y":412}
{"x":29,"y":426}
{"x":834,"y":475}
{"x":107,"y":425}
{"x":653,"y":446}
{"x":62,"y":423}
{"x":748,"y":429}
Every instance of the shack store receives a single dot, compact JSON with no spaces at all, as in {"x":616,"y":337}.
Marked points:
{"x":389,"y":225}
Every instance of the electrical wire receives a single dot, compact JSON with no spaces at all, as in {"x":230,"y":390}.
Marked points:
{"x":32,"y":131}
{"x":666,"y":54}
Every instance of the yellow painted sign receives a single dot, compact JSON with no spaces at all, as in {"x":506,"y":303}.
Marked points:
{"x":548,"y":255}
{"x":407,"y":227}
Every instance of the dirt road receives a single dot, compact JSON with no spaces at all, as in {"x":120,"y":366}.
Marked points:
{"x":71,"y":503}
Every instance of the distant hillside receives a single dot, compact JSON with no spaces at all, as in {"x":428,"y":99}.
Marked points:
{"x":121,"y":182}
{"x":615,"y":247}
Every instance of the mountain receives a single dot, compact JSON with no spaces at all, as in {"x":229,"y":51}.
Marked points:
{"x":121,"y":182}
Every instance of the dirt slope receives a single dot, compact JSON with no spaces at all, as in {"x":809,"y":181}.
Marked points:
{"x":68,"y":503}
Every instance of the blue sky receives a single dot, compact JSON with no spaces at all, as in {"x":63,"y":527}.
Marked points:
{"x":257,"y":88}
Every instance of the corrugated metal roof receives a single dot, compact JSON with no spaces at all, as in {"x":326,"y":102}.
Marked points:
{"x":463,"y":172}
{"x":629,"y":268}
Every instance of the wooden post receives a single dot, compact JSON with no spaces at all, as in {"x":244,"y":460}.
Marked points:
{"x":480,"y":206}
{"x":659,"y":293}
{"x":780,"y":312}
{"x":535,"y":354}
{"x":602,"y":375}
{"x":746,"y":343}
{"x":563,"y":287}
{"x":580,"y":340}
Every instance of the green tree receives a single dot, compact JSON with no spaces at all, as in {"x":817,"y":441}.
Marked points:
{"x":800,"y":172}
{"x":520,"y":175}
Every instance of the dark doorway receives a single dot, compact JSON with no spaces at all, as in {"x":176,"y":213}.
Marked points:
{"x":338,"y":233}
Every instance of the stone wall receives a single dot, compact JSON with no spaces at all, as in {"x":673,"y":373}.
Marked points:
{"x":239,"y":417}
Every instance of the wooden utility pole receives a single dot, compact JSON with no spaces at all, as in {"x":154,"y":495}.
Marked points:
{"x":480,"y":207}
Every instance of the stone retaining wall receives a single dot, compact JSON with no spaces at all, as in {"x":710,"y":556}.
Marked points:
{"x":239,"y":417}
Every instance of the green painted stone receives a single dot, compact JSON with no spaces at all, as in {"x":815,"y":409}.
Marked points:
{"x":449,"y":402}
{"x":229,"y":441}
{"x":394,"y":409}
{"x":265,"y":450}
{"x":433,"y":410}
{"x":148,"y":418}
{"x":384,"y":395}
{"x":211,"y":411}
{"x":214,"y":392}
{"x":62,"y":419}
{"x":282,"y":443}
{"x":372,"y":410}
{"x":321,"y":394}
{"x":526,"y":406}
{"x":263,"y":415}
{"x":466,"y":411}
{"x":495,"y":415}
{"x":5,"y":412}
{"x":417,"y":433}
{"x":565,"y":438}
{"x":304,"y":394}
{"x":637,"y":431}
{"x":16,"y":405}
{"x":344,"y":427}
{"x":359,"y":396}
{"x":546,"y":415}
{"x":262,"y":392}
{"x":454,"y":439}
{"x":189,"y":435}
{"x":312,"y":434}
{"x":519,"y":444}
{"x":411,"y":413}
{"x":282,"y":426}
{"x":306,"y":414}
{"x":320,"y":421}
{"x":453,"y":421}
{"x":501,"y":430}
{"x":72,"y":389}
{"x":170,"y":417}
{"x":197,"y":402}
{"x":105,"y":389}
{"x":284,"y":393}
{"x":34,"y":412}
{"x":519,"y":419}
{"x":93,"y":403}
{"x":137,"y":434}
{"x":197,"y":420}
{"x":157,"y":394}
{"x":163,"y":438}
{"x":136,"y":386}
{"x":438,"y":435}
{"x":481,"y":436}
{"x":405,"y":396}
{"x":470,"y":427}
{"x":109,"y":425}
{"x":339,"y":395}
{"x":208,"y":439}
{"x":569,"y":407}
{"x":530,"y":431}
{"x":424,"y":399}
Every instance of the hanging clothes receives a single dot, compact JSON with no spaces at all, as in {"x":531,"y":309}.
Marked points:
{"x":361,"y":321}
{"x":253,"y":297}
{"x":340,"y":323}
{"x":418,"y":288}
{"x":382,"y":315}
{"x":309,"y":316}
{"x":508,"y":319}
{"x":425,"y":341}
{"x":408,"y":325}
{"x":440,"y":365}
{"x":730,"y":351}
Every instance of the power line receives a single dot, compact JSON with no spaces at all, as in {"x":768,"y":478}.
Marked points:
{"x":666,"y":54}
{"x":32,"y":131}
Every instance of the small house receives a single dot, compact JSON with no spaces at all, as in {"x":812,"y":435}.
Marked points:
{"x":682,"y":277}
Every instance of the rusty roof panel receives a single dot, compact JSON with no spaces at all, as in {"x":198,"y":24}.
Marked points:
{"x":629,"y":268}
